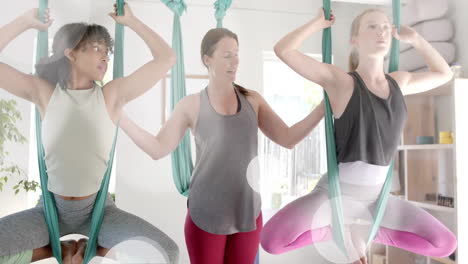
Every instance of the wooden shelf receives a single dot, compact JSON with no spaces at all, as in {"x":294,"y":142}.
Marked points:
{"x":421,"y":166}
{"x":425,"y":147}
{"x":444,"y":260}
{"x":433,"y":207}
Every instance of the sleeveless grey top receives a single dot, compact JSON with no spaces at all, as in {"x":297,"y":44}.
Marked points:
{"x":369,"y":129}
{"x":221,"y":200}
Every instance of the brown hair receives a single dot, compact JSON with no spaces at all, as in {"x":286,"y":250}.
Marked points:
{"x":56,"y":68}
{"x":208,"y":46}
{"x":354,"y":56}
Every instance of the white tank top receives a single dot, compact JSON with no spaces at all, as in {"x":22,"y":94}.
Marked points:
{"x":362,"y":173}
{"x":77,"y":134}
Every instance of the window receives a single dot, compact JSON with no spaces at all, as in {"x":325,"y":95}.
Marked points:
{"x":287,"y":174}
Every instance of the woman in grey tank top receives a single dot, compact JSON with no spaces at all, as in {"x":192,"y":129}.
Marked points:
{"x":68,"y":78}
{"x":370,"y":112}
{"x":223,"y":221}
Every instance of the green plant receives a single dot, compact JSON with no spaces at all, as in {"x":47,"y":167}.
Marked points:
{"x":9,"y":115}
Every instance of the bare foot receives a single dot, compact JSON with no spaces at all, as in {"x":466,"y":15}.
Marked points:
{"x":78,"y":257}
{"x":358,"y":234}
{"x":104,"y":252}
{"x":362,"y":260}
{"x":69,"y":248}
{"x":42,"y":253}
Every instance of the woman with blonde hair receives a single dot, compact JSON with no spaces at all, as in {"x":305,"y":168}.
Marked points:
{"x":370,"y":112}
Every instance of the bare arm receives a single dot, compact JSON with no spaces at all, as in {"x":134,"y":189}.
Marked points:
{"x":439,"y":71}
{"x":23,"y":85}
{"x":326,"y":75}
{"x":168,"y":137}
{"x":274,"y":127}
{"x":125,"y":89}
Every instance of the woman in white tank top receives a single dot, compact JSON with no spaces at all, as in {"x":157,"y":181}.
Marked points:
{"x":79,"y":117}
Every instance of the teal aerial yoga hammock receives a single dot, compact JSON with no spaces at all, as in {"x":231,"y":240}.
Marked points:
{"x":50,"y":211}
{"x":182,"y":165}
{"x":332,"y":164}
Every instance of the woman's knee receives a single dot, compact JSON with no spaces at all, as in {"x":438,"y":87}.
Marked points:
{"x":269,"y":243}
{"x":446,"y":243}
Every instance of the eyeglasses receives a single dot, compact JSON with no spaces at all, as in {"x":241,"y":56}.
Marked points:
{"x":104,"y":51}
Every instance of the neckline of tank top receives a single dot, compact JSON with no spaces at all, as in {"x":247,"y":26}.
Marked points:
{"x":239,"y":104}
{"x":79,"y":90}
{"x":376,"y":96}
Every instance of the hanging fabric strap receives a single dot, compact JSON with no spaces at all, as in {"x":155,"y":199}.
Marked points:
{"x":99,"y":204}
{"x":119,"y":43}
{"x":181,"y":158}
{"x":221,"y":6}
{"x":332,"y":164}
{"x":395,"y":53}
{"x":379,"y":210}
{"x":50,"y":211}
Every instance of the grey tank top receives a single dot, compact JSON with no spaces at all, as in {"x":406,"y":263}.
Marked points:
{"x":221,"y":200}
{"x":369,"y":129}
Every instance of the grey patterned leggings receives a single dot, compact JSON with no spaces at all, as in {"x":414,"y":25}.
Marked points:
{"x":27,"y":230}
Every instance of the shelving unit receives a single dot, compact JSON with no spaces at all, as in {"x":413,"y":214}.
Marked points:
{"x":434,"y":207}
{"x":427,"y":171}
{"x":444,"y":260}
{"x":425,"y":147}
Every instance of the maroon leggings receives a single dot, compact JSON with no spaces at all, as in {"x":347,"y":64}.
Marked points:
{"x":207,"y":248}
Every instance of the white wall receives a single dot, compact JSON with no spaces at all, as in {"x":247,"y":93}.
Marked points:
{"x":460,"y":20}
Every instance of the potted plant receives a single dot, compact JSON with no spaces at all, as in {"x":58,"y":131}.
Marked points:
{"x":9,"y":115}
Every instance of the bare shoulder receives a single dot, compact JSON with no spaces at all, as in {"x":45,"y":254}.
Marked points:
{"x":190,"y":107}
{"x":401,"y":77}
{"x":44,"y":93}
{"x":253,"y":94}
{"x":190,"y":101}
{"x":255,"y":99}
{"x":109,"y":91}
{"x":344,"y":80}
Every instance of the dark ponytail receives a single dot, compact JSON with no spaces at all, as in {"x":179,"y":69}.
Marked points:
{"x":241,"y":89}
{"x":54,"y":70}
